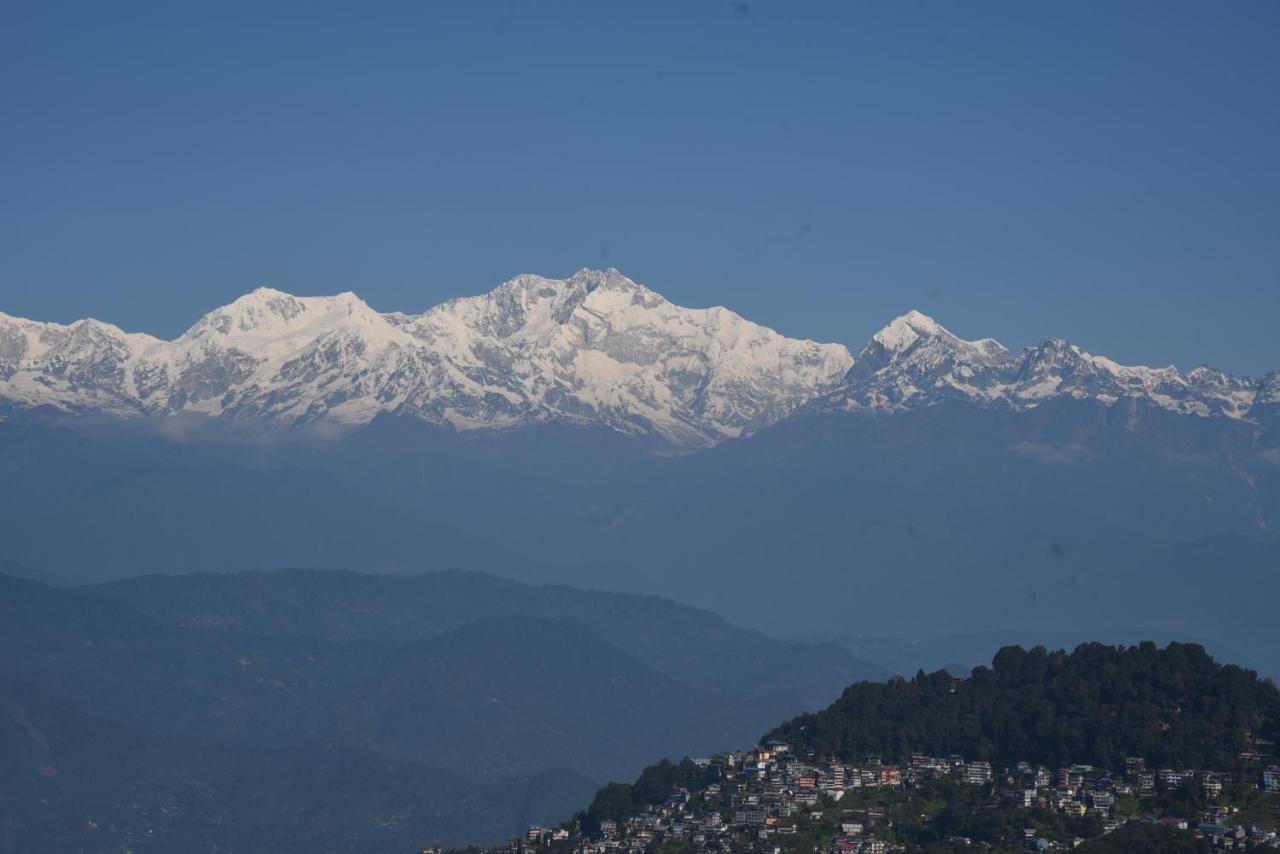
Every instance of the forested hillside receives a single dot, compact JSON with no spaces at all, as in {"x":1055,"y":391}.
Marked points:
{"x":1098,"y":705}
{"x":1054,"y":747}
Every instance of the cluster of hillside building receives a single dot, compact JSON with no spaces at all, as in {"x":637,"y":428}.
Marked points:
{"x":762,"y":798}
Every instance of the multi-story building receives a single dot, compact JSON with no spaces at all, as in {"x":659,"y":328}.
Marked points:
{"x":1271,"y":780}
{"x":977,"y":772}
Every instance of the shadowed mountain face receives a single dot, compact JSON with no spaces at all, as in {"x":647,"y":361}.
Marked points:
{"x":929,"y":487}
{"x":692,"y":646}
{"x":1070,"y":517}
{"x":401,"y":688}
{"x":72,"y":782}
{"x":514,"y":433}
{"x":1073,"y":516}
{"x":534,"y":692}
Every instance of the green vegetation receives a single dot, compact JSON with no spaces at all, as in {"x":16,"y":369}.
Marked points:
{"x":1175,"y":706}
{"x":654,"y":785}
{"x":1137,"y":838}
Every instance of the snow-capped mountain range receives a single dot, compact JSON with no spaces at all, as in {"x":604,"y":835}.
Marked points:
{"x":593,"y":349}
{"x":915,"y":362}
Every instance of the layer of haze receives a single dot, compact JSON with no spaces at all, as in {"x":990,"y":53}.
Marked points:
{"x":1103,"y":172}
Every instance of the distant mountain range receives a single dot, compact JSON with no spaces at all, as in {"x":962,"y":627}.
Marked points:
{"x":926,"y":488}
{"x":267,"y":711}
{"x":596,"y":349}
{"x":914,"y":362}
{"x":692,"y":646}
{"x":70,"y":781}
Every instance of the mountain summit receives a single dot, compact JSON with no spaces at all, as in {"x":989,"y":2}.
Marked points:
{"x":915,"y":362}
{"x":594,"y":349}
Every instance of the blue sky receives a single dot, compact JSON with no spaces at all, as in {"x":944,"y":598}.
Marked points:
{"x":1106,"y":172}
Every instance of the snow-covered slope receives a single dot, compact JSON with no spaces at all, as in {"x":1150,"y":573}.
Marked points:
{"x":82,"y":367}
{"x":596,"y":348}
{"x":600,"y":348}
{"x":1266,"y":405}
{"x":593,"y":349}
{"x":915,"y":362}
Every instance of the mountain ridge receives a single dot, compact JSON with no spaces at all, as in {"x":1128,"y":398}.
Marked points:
{"x":594,"y":349}
{"x":695,"y":646}
{"x":490,"y":702}
{"x":915,"y":361}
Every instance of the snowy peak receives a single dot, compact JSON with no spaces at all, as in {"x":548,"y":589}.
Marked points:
{"x":914,"y":362}
{"x":600,"y":348}
{"x":1057,"y":368}
{"x":595,"y":349}
{"x":266,"y":314}
{"x":609,"y":280}
{"x":903,"y":332}
{"x":915,"y":359}
{"x":1265,"y":407}
{"x":26,"y":342}
{"x":914,"y":332}
{"x":81,"y":367}
{"x":531,"y":307}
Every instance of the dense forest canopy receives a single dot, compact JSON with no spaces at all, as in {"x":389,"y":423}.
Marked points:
{"x":654,"y":785}
{"x":1097,"y":705}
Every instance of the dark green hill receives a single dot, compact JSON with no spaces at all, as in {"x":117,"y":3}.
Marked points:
{"x":1097,"y":705}
{"x":1175,"y":707}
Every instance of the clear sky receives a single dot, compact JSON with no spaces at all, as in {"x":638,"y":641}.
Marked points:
{"x":1105,"y":172}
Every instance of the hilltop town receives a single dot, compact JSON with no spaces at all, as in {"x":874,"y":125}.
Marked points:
{"x":1105,"y":749}
{"x":769,"y":799}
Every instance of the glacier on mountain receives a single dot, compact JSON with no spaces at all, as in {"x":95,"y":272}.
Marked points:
{"x":593,"y":349}
{"x":915,"y":362}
